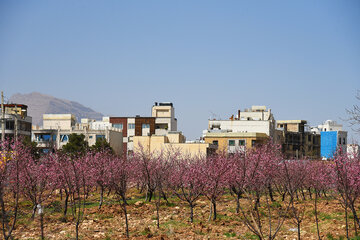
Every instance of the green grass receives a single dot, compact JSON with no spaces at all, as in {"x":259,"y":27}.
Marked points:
{"x":250,"y":236}
{"x":228,"y":234}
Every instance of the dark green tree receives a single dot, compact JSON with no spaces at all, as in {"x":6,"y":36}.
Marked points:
{"x":101,"y":145}
{"x":76,"y":145}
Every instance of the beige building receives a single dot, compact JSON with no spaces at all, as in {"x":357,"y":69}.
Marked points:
{"x":57,"y":127}
{"x":164,"y":114}
{"x":172,"y":142}
{"x":232,"y":142}
{"x":58,"y":121}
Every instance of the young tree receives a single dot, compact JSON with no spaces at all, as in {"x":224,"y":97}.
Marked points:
{"x":262,"y":169}
{"x":347,"y":169}
{"x":73,"y":175}
{"x":214,"y":172}
{"x":36,"y":181}
{"x":354,"y":114}
{"x":119,"y":174}
{"x":186,"y":182}
{"x":12,"y":158}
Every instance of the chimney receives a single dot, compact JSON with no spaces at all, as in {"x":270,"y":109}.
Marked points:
{"x":239,"y":114}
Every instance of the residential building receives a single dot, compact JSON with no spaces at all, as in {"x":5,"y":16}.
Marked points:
{"x":332,"y":138}
{"x":257,"y":119}
{"x":245,"y":130}
{"x":232,"y":142}
{"x":133,"y":126}
{"x":164,"y":114}
{"x":331,"y":141}
{"x":161,"y":122}
{"x":60,"y":126}
{"x":16,"y":121}
{"x":296,"y":140}
{"x":173,"y":142}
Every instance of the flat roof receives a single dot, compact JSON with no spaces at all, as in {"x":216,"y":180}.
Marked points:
{"x":236,"y":134}
{"x":291,"y":121}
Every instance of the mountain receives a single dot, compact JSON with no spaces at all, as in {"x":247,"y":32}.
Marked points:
{"x":39,"y":104}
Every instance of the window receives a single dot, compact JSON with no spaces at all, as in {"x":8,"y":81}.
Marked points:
{"x":231,"y":142}
{"x":90,"y":137}
{"x":146,"y":125}
{"x":100,"y":137}
{"x":253,"y":143}
{"x":64,"y":138}
{"x":241,"y":142}
{"x":131,"y":126}
{"x":309,"y":138}
{"x":339,"y":141}
{"x":216,"y":142}
{"x":118,"y":125}
{"x":344,"y":141}
{"x":9,"y":125}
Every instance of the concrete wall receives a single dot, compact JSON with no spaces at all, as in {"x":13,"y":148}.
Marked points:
{"x":266,"y":127}
{"x":58,"y":121}
{"x":161,"y":144}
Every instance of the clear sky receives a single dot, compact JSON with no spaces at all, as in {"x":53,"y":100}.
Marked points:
{"x":300,"y":58}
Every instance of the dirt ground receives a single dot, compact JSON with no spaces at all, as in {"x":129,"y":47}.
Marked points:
{"x":109,"y":221}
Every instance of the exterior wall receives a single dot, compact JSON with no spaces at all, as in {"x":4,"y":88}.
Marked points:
{"x":164,"y":118}
{"x":116,"y":141}
{"x":58,"y":138}
{"x":55,"y":121}
{"x":139,"y":121}
{"x":160,"y":144}
{"x":16,"y":124}
{"x":328,"y":144}
{"x":223,"y":142}
{"x":249,"y":126}
{"x":124,"y":122}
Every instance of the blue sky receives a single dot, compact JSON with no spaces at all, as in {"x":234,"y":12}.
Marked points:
{"x":300,"y":58}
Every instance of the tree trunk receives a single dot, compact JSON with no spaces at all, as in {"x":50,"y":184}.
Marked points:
{"x":33,"y":212}
{"x":271,"y":193}
{"x":77,"y":230}
{"x":191,"y":213}
{"x":316,"y":217}
{"x":346,"y":222}
{"x":42,"y":226}
{"x":157,"y":210}
{"x":298,"y":226}
{"x":126,"y":220}
{"x":66,"y":202}
{"x":101,"y":196}
{"x":214,"y":207}
{"x":238,"y":204}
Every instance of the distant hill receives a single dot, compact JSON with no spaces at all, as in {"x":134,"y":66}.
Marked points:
{"x":39,"y":103}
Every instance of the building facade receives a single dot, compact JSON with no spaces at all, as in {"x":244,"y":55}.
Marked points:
{"x":60,"y":126}
{"x":296,"y":140}
{"x":172,"y":142}
{"x":16,"y":121}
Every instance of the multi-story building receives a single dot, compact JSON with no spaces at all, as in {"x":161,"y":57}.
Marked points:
{"x":331,"y":141}
{"x":332,"y":138}
{"x":173,"y":142}
{"x":296,"y":140}
{"x":245,"y":130}
{"x":16,"y":121}
{"x":161,"y":122}
{"x":60,"y":126}
{"x":165,"y":121}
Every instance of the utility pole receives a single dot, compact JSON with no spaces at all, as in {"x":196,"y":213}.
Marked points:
{"x":16,"y":124}
{"x":2,"y":118}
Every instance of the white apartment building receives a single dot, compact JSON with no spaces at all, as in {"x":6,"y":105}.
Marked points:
{"x":257,"y":119}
